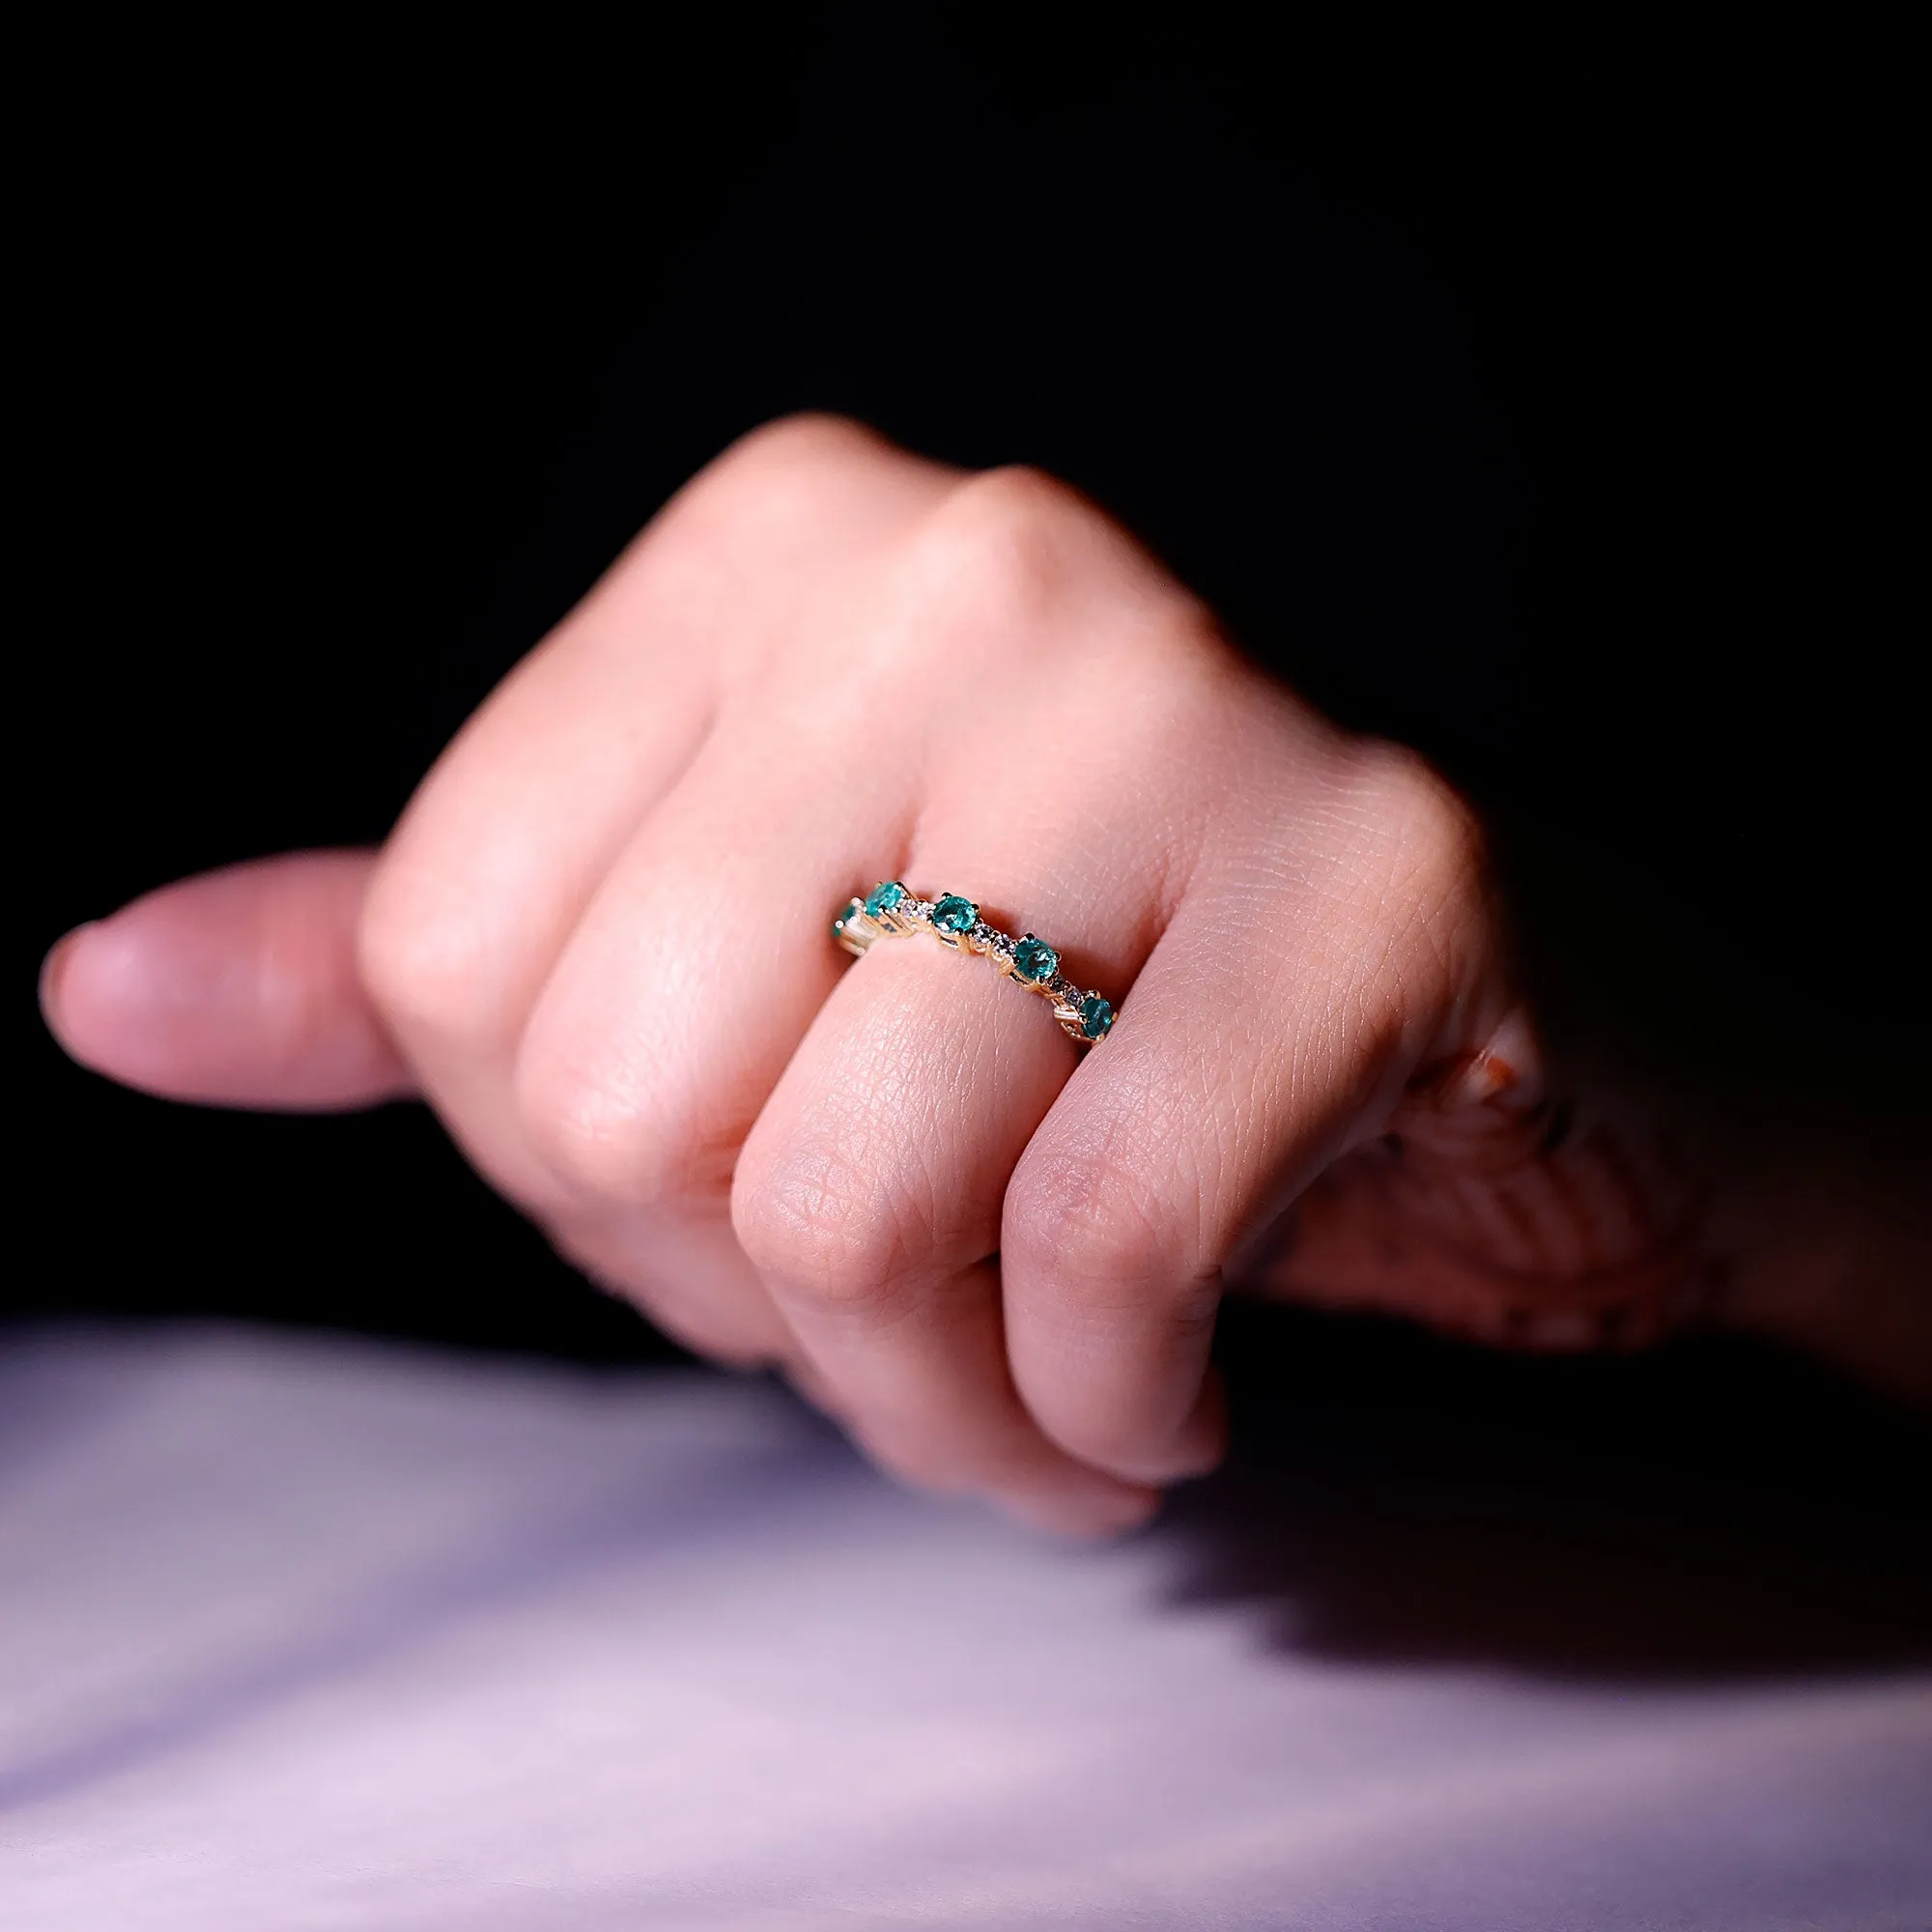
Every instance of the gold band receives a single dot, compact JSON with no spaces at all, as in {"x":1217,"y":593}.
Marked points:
{"x":888,"y":909}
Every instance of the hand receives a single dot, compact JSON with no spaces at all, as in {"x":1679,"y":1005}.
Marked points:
{"x":598,"y":945}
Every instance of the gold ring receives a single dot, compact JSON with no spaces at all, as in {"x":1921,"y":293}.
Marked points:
{"x":889,"y":910}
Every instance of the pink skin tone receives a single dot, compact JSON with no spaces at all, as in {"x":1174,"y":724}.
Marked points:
{"x":597,"y":943}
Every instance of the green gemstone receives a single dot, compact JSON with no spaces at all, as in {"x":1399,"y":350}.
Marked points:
{"x":883,"y":897}
{"x":953,"y":914}
{"x":1096,"y":1016}
{"x":1034,"y":959}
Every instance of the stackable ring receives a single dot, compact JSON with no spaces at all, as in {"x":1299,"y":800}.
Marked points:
{"x":888,"y":909}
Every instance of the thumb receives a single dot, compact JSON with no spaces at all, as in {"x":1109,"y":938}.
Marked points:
{"x":237,"y":987}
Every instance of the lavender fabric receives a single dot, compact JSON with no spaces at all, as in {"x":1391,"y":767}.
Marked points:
{"x":302,"y":1634}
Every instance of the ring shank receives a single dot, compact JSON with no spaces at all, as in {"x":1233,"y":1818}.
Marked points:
{"x":891,"y":911}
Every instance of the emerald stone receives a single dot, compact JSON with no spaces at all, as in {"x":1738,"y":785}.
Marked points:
{"x":1034,"y":959}
{"x":953,"y":914}
{"x":883,"y":897}
{"x":1096,"y":1016}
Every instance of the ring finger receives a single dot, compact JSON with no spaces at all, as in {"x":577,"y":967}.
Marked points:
{"x":870,"y":1196}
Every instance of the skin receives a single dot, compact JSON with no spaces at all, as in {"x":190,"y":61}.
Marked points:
{"x":597,"y":943}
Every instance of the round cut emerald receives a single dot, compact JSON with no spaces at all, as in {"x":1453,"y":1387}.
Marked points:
{"x":883,"y":897}
{"x":953,"y":914}
{"x":1034,"y":959}
{"x":1096,"y":1016}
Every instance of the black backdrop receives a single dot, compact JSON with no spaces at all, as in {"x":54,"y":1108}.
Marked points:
{"x":1534,"y":402}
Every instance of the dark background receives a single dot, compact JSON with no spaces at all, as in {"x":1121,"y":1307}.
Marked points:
{"x":1538,"y":401}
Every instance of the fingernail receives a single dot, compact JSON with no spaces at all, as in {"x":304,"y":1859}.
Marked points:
{"x":1507,"y":1068}
{"x":53,"y":968}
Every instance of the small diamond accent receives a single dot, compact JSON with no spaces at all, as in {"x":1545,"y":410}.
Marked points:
{"x":888,"y":908}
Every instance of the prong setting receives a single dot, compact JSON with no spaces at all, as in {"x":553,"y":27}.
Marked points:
{"x":889,"y":910}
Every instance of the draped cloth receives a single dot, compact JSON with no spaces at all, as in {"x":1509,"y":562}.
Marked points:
{"x":310,"y":1632}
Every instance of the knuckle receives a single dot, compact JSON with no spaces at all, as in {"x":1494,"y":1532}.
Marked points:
{"x":1409,"y":909}
{"x":1430,"y":831}
{"x":776,"y":475}
{"x":1081,"y":1211}
{"x":610,"y":1140}
{"x":428,"y":957}
{"x":818,"y":1223}
{"x":999,"y":547}
{"x":1008,"y":557}
{"x":1414,"y":854}
{"x":799,"y":442}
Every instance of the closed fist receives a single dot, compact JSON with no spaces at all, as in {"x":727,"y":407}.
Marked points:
{"x":599,"y":945}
